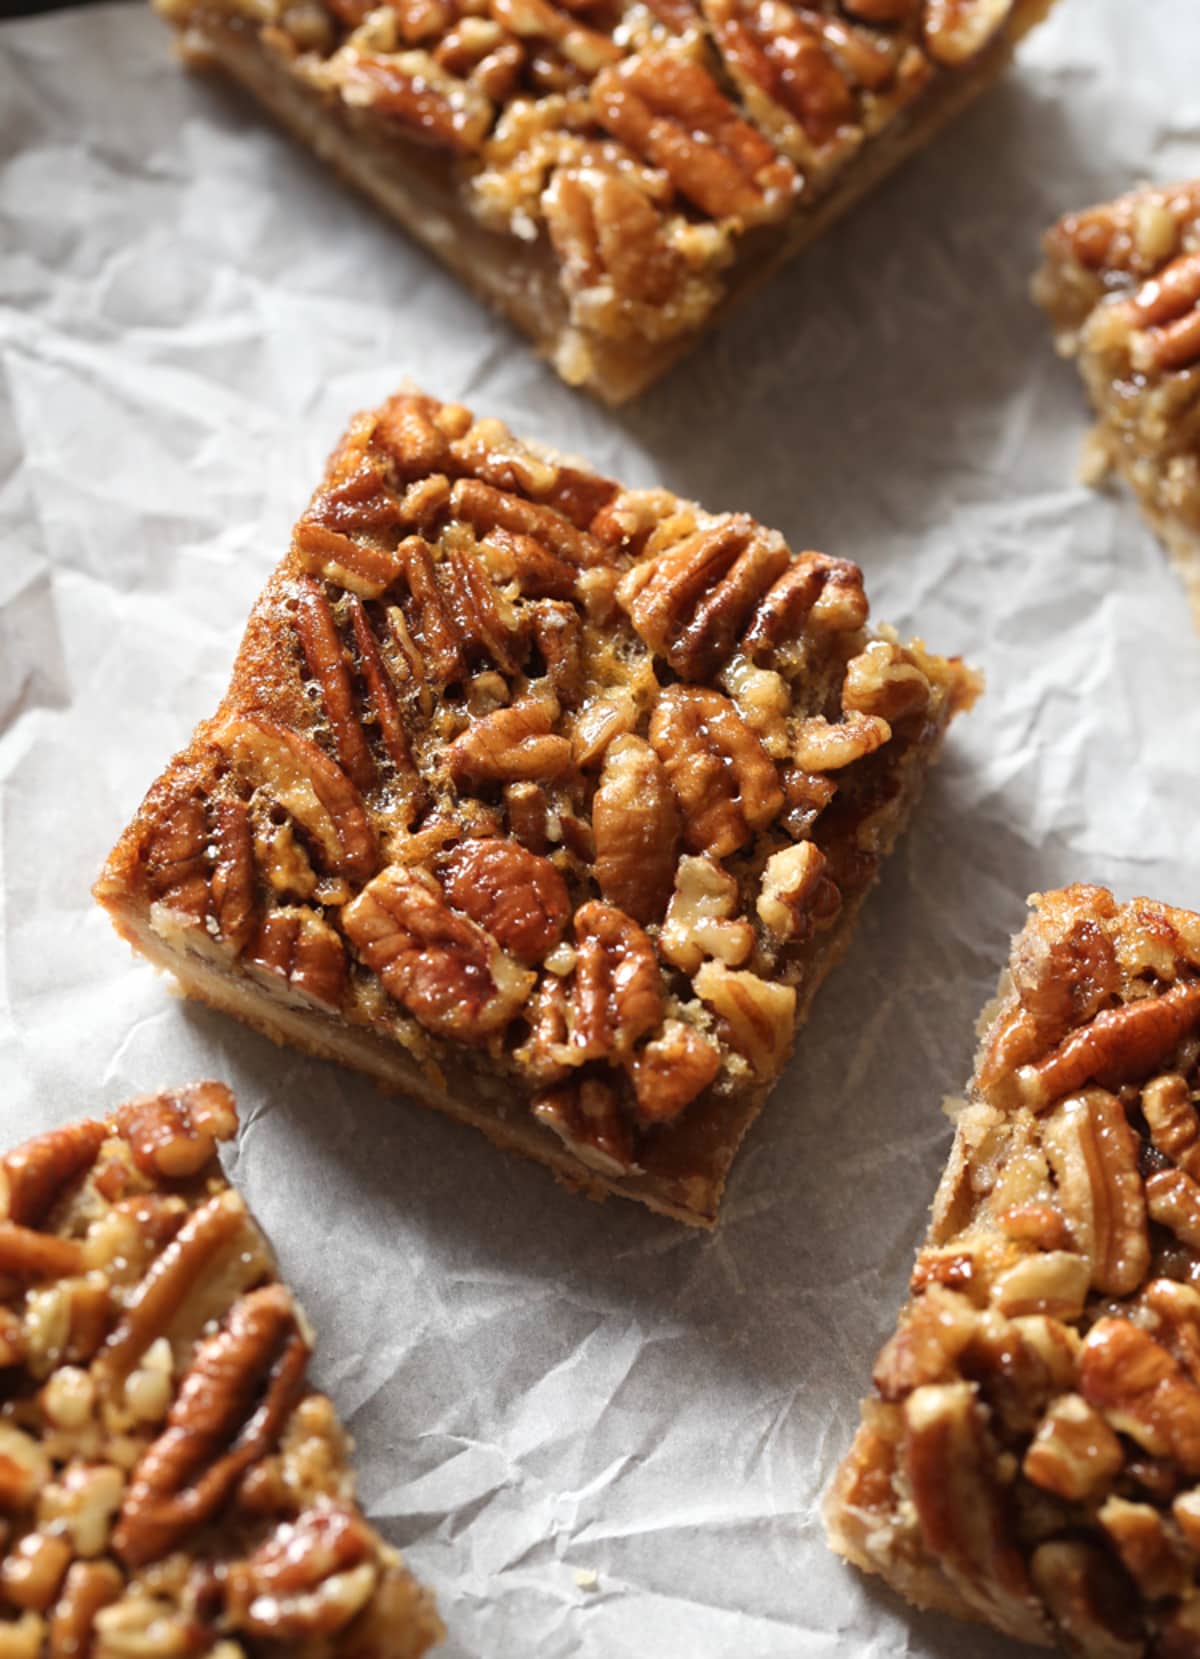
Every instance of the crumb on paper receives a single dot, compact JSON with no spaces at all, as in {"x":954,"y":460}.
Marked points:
{"x":586,"y":1578}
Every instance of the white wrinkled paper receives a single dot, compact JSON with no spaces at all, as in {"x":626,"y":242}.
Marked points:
{"x":541,"y":1388}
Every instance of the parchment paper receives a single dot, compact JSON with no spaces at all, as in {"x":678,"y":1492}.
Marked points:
{"x":541,"y":1387}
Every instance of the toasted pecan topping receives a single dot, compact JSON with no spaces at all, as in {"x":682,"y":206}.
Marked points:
{"x":518,"y":761}
{"x":127,"y":1450}
{"x":1054,"y":1322}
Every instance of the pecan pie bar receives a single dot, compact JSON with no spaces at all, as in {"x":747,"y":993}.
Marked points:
{"x":170,"y":1484}
{"x":607,"y":172}
{"x":547,"y":802}
{"x":1121,"y":284}
{"x":1031,"y":1456}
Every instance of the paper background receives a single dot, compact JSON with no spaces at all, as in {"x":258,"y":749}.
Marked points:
{"x":189,"y":310}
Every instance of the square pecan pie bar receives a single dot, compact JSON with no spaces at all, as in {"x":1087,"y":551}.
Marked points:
{"x":1031,"y":1456}
{"x":170,"y":1484}
{"x":608,"y":172}
{"x":548,"y":802}
{"x":1121,"y":284}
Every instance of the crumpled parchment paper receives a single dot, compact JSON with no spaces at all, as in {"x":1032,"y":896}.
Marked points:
{"x":543,"y":1389}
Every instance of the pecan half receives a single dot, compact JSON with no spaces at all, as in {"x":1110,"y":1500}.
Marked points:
{"x":1165,"y":313}
{"x":40,"y":1171}
{"x":176,"y":858}
{"x":1094,"y":1154}
{"x":723,"y":778}
{"x":442,"y":967}
{"x":816,"y":591}
{"x":326,"y":659}
{"x":489,"y":509}
{"x":174,"y":1134}
{"x":298,"y":946}
{"x":776,"y":55}
{"x":381,"y":693}
{"x":455,"y":612}
{"x":637,"y":828}
{"x":618,"y":994}
{"x":357,"y":566}
{"x":293,"y":771}
{"x":672,"y":1070}
{"x":964,"y":1525}
{"x":1118,"y":1046}
{"x":413,"y":90}
{"x":588,"y":1119}
{"x":669,"y":110}
{"x":538,"y":572}
{"x":1142,"y":1391}
{"x":511,"y":745}
{"x":229,"y":1411}
{"x":691,"y":603}
{"x":542,"y":20}
{"x":558,"y":635}
{"x":515,"y":895}
{"x":302,"y":1582}
{"x":234,"y":874}
{"x":1173,"y":1121}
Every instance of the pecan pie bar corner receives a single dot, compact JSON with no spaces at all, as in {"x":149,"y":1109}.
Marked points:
{"x":546,"y":802}
{"x":1121,"y":285}
{"x":1031,"y":1454}
{"x":607,"y":173}
{"x":170,"y":1484}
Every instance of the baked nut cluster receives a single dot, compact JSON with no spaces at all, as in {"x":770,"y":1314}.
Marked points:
{"x":640,"y":148}
{"x":1032,"y":1453}
{"x":1121,"y":285}
{"x":169,"y":1484}
{"x":563,"y":794}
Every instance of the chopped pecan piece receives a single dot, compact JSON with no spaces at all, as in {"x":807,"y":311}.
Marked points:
{"x":668,"y":109}
{"x":758,"y":1015}
{"x":637,"y":828}
{"x":824,"y":747}
{"x":956,"y":30}
{"x":174,"y":1134}
{"x":691,"y":603}
{"x":516,"y":896}
{"x":672,"y":1070}
{"x":723,"y":778}
{"x":441,"y":966}
{"x":1155,"y":1562}
{"x":1074,"y":1454}
{"x":489,"y":509}
{"x":796,"y":895}
{"x":883,"y":680}
{"x":1173,"y":1200}
{"x":308,"y":1580}
{"x":702,"y":919}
